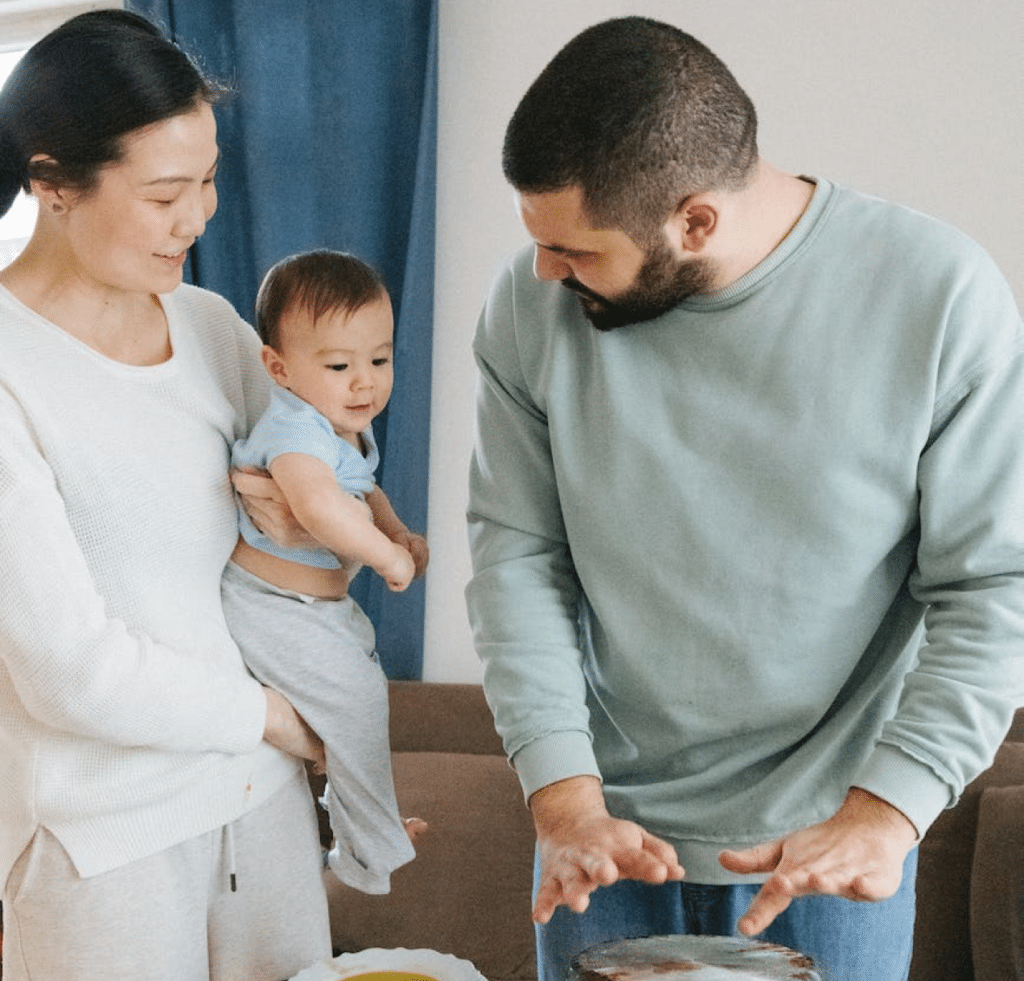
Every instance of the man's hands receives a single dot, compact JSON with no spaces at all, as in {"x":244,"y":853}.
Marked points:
{"x":582,"y":847}
{"x":858,"y":853}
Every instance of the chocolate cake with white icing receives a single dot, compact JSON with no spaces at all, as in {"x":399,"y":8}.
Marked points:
{"x":691,"y":958}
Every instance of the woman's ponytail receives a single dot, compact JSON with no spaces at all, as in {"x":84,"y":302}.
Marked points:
{"x":12,"y":169}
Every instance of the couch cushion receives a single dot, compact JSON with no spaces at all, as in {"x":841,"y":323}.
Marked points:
{"x":467,"y":892}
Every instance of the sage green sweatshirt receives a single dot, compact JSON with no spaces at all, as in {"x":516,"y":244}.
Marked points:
{"x":766,"y":547}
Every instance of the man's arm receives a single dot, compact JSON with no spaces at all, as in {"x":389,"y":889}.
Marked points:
{"x":524,"y":604}
{"x":957,"y":702}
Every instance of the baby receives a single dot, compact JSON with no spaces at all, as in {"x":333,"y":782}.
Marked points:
{"x":326,"y":322}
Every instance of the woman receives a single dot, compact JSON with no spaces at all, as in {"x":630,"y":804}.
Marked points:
{"x":155,"y":821}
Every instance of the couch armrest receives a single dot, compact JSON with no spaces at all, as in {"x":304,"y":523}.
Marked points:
{"x":1016,"y":733}
{"x":997,"y":886}
{"x":942,"y":936}
{"x":430,"y":717}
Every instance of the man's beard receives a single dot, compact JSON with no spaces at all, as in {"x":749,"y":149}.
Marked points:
{"x":662,"y":283}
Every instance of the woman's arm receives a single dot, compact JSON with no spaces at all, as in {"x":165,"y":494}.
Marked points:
{"x":74,"y":663}
{"x":288,"y":731}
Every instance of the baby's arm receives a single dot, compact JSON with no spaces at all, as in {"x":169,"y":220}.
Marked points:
{"x":338,"y":520}
{"x":268,"y":509}
{"x":390,"y":524}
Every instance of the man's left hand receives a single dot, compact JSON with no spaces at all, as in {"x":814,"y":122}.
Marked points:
{"x":858,"y":853}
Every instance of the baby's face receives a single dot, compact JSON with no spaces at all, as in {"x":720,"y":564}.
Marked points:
{"x":342,"y":365}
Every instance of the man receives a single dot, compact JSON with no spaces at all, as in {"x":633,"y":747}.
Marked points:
{"x":747,"y":519}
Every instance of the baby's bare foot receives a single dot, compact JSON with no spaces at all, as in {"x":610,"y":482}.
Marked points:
{"x":414,"y":827}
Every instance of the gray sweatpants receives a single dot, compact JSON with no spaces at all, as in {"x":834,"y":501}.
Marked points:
{"x":173,"y":916}
{"x":320,"y":655}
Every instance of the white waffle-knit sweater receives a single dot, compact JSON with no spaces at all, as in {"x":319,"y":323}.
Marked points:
{"x":128,"y":722}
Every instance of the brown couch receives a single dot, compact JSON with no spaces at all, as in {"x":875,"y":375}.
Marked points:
{"x":970,"y":880}
{"x":468,"y":891}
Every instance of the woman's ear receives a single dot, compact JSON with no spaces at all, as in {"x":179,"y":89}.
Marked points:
{"x":275,"y":365}
{"x":51,"y":197}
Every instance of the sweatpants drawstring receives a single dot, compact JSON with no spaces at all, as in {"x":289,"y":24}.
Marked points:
{"x":229,"y":855}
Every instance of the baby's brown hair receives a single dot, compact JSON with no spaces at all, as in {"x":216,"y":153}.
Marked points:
{"x":318,"y":282}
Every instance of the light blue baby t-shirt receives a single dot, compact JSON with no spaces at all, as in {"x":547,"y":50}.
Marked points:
{"x":292,"y":425}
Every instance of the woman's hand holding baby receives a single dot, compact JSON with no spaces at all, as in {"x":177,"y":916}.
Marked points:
{"x":268,"y":509}
{"x":288,"y":731}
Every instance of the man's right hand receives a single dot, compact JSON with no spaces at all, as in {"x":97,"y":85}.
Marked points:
{"x":582,"y":847}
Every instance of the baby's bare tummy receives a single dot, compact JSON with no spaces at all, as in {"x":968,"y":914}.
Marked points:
{"x":322,"y":583}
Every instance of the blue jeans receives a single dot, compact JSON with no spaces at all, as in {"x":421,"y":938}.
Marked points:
{"x":848,"y":941}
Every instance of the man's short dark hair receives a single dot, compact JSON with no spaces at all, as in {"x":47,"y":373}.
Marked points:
{"x":640,"y":116}
{"x":318,"y":282}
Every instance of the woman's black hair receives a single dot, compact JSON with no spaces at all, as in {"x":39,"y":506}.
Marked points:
{"x":78,"y":91}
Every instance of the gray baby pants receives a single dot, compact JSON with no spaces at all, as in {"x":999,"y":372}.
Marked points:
{"x":320,"y":655}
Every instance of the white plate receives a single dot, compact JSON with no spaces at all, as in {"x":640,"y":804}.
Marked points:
{"x":432,"y":963}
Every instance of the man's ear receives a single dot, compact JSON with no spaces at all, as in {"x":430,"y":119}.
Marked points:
{"x":275,"y":365}
{"x":693,"y":223}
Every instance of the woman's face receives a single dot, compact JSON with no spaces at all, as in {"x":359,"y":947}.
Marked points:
{"x":133,"y":230}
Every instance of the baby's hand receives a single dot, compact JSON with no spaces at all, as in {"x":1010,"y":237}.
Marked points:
{"x":417,"y":548}
{"x":398,"y":569}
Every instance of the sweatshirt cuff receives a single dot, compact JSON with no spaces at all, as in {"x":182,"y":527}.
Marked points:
{"x":239,"y":724}
{"x":909,"y":785}
{"x":554,"y":757}
{"x":253,"y":718}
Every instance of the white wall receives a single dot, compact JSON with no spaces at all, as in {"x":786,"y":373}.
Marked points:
{"x":915,"y":100}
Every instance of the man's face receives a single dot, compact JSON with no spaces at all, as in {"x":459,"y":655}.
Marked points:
{"x":617,"y":282}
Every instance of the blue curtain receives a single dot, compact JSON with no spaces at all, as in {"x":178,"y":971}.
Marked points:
{"x":328,"y":140}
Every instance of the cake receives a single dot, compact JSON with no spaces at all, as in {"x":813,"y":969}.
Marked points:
{"x":691,"y":958}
